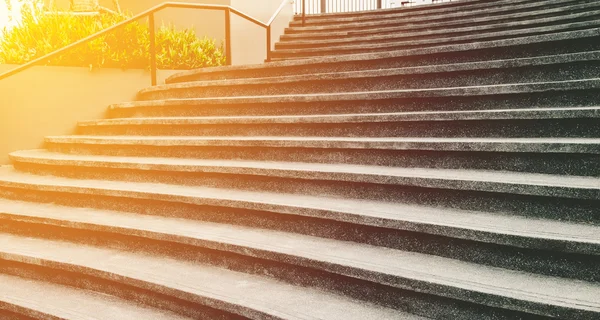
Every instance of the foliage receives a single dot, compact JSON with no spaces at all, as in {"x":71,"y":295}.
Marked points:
{"x":40,"y":33}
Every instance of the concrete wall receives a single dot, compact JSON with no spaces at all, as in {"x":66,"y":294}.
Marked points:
{"x":249,"y":41}
{"x":46,"y":101}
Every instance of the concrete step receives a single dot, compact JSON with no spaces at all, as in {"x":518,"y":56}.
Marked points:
{"x":568,"y":156}
{"x":472,"y":180}
{"x":529,"y":46}
{"x":517,"y":243}
{"x":36,"y":299}
{"x":572,"y":14}
{"x":240,"y":294}
{"x":572,"y":122}
{"x":381,"y":46}
{"x":574,"y":66}
{"x":458,"y":12}
{"x":436,"y":7}
{"x":447,"y":27}
{"x":556,"y":94}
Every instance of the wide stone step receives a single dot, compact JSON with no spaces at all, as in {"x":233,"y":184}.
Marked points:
{"x":430,"y":222}
{"x":446,"y":27}
{"x":472,"y":180}
{"x":244,"y":295}
{"x":563,"y":16}
{"x":570,"y":156}
{"x":379,"y":46}
{"x":556,"y":94}
{"x":36,"y":299}
{"x":526,"y":46}
{"x":407,"y":11}
{"x":457,"y":12}
{"x":574,"y":66}
{"x":542,"y":122}
{"x":394,"y":267}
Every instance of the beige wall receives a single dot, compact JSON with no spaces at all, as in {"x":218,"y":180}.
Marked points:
{"x":46,"y":101}
{"x":248,"y":40}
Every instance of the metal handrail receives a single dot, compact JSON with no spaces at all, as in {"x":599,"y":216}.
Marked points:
{"x":150,"y":14}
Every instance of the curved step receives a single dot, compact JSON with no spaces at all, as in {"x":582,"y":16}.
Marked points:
{"x":564,"y":15}
{"x":575,"y":93}
{"x":543,"y":122}
{"x":471,"y":225}
{"x":434,"y":27}
{"x":474,"y":180}
{"x":344,"y":49}
{"x":549,"y":44}
{"x":261,"y":297}
{"x":563,"y":67}
{"x":41,"y":300}
{"x":518,"y":291}
{"x":456,"y":13}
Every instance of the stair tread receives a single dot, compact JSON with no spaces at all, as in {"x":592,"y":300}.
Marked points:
{"x":376,"y":261}
{"x":477,"y":90}
{"x":394,"y":53}
{"x":546,"y":61}
{"x":380,"y":213}
{"x":440,"y":43}
{"x":493,"y":114}
{"x":446,"y":35}
{"x":539,"y":145}
{"x":456,"y":13}
{"x":264,"y":295}
{"x":65,"y":302}
{"x":446,"y":25}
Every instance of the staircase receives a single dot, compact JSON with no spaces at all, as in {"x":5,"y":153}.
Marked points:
{"x":430,"y":162}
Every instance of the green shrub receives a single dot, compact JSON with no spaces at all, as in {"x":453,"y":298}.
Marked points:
{"x":40,"y":33}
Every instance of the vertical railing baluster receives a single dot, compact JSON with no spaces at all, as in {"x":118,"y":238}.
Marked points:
{"x":303,"y":13}
{"x":228,"y":36}
{"x":152,"y":30}
{"x":269,"y":43}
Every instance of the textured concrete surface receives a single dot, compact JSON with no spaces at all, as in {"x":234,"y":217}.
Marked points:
{"x":42,"y":299}
{"x":441,"y":35}
{"x":445,"y":25}
{"x":241,"y":294}
{"x":455,"y":179}
{"x":441,"y":221}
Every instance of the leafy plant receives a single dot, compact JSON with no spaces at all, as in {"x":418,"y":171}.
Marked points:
{"x":40,"y":33}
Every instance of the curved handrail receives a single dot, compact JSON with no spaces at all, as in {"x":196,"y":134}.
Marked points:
{"x":150,"y":13}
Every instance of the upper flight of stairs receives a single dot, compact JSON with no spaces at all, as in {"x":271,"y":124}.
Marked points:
{"x":431,"y":162}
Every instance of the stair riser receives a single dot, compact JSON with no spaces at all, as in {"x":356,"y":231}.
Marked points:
{"x":70,"y":276}
{"x":464,"y":13}
{"x":385,"y":36}
{"x":418,"y":303}
{"x":442,"y":56}
{"x":15,"y":312}
{"x":574,"y":266}
{"x":387,"y":80}
{"x":526,"y":200}
{"x":476,"y":128}
{"x":408,"y":45}
{"x":568,"y":163}
{"x":447,"y":27}
{"x":411,"y":102}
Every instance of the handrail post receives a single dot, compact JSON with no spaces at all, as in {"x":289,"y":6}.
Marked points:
{"x":152,"y":48}
{"x":228,"y":36}
{"x":303,"y":13}
{"x":323,"y":6}
{"x":379,"y":5}
{"x":269,"y":43}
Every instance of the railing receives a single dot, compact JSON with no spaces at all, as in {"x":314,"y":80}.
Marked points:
{"x":152,"y":28}
{"x":304,"y":7}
